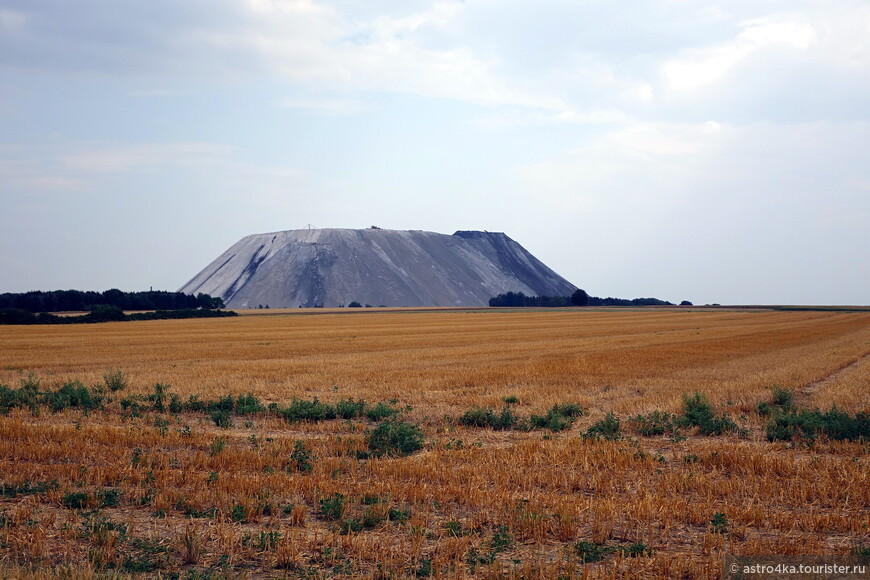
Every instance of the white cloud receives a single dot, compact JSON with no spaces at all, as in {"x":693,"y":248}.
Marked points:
{"x":705,"y":66}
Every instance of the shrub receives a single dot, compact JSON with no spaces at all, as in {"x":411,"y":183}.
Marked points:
{"x":115,"y":380}
{"x":395,"y":438}
{"x":597,"y":551}
{"x":487,"y":417}
{"x":809,"y":424}
{"x":381,"y":411}
{"x":636,"y":550}
{"x":248,"y":405}
{"x":218,"y":444}
{"x":332,"y":507}
{"x":301,"y":410}
{"x":501,"y":540}
{"x":194,"y":404}
{"x":567,"y":409}
{"x":9,"y":399}
{"x":719,"y":523}
{"x":608,"y":429}
{"x":477,"y":417}
{"x":697,"y":412}
{"x":158,"y":397}
{"x":109,"y":497}
{"x":558,"y":418}
{"x":349,"y":409}
{"x":175,"y":404}
{"x":655,"y":423}
{"x":73,"y":394}
{"x":454,"y":528}
{"x":782,"y":400}
{"x":221,"y":418}
{"x":226,"y":403}
{"x":75,"y":500}
{"x":592,"y":551}
{"x":237,"y":513}
{"x":424,"y":570}
{"x":301,"y":458}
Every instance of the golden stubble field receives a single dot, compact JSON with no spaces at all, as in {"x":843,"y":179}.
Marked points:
{"x":125,"y":490}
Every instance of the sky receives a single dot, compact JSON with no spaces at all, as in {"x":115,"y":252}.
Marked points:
{"x":717,"y":152}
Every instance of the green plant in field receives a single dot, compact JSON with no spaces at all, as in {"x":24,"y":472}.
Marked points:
{"x":782,"y":401}
{"x":487,"y":417}
{"x":395,"y":438}
{"x":268,"y":541}
{"x":607,"y":429}
{"x":719,"y":523}
{"x":808,"y":424}
{"x":301,"y":459}
{"x":454,"y":528}
{"x":73,"y":394}
{"x":589,"y":552}
{"x":302,"y":410}
{"x":237,"y":513}
{"x":159,"y":396}
{"x":217,"y":445}
{"x":75,"y":500}
{"x":424,"y":569}
{"x":109,"y":497}
{"x":115,"y":380}
{"x":558,"y":418}
{"x":501,"y":540}
{"x":332,"y":507}
{"x":14,"y":490}
{"x":654,"y":423}
{"x":248,"y":405}
{"x":349,"y":408}
{"x":381,"y":411}
{"x":147,"y":555}
{"x":222,"y":418}
{"x":162,"y":425}
{"x":697,"y":412}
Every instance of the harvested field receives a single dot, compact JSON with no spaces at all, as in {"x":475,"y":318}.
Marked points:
{"x":511,"y":480}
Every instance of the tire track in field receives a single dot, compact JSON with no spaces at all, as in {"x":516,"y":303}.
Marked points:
{"x":811,"y":388}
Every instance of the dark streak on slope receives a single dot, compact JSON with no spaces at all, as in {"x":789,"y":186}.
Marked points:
{"x":247,"y":273}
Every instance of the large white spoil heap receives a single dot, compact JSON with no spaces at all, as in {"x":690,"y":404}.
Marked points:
{"x":334,"y":267}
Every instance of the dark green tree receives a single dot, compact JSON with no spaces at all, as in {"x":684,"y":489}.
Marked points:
{"x":579,"y":298}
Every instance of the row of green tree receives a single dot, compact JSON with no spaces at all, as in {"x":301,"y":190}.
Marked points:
{"x":78,"y":300}
{"x":103,"y":313}
{"x":578,"y":298}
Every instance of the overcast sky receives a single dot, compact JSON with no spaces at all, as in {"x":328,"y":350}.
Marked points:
{"x":686,"y":150}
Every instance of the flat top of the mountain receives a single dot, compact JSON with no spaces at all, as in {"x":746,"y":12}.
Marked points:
{"x":311,"y":231}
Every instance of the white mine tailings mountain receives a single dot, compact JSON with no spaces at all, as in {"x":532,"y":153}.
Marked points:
{"x":334,"y":267}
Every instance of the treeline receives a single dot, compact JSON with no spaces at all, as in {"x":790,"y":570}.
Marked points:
{"x":579,"y":298}
{"x":77,"y":300}
{"x":595,"y":301}
{"x":105,"y":313}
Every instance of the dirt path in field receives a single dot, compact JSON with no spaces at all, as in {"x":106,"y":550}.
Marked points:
{"x":814,"y":387}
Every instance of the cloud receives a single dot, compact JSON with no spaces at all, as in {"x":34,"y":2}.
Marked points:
{"x":567,"y":61}
{"x":705,"y":66}
{"x":299,"y":41}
